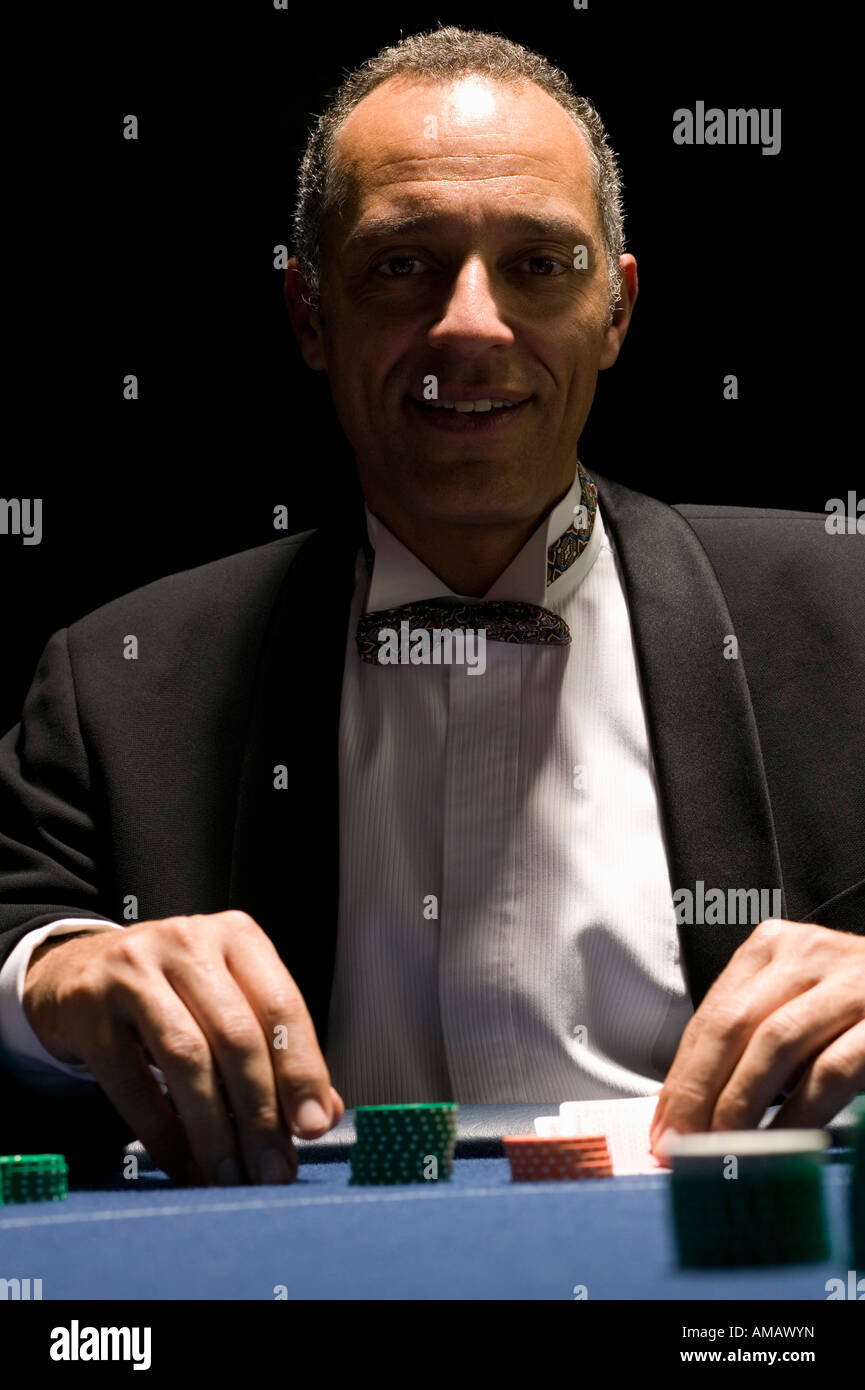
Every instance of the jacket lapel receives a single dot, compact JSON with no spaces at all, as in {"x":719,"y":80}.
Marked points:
{"x":285,"y":860}
{"x":711,"y":780}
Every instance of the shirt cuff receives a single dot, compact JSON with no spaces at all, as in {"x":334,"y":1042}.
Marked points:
{"x":22,"y":1051}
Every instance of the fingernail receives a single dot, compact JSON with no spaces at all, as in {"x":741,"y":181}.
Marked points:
{"x":661,"y":1139}
{"x":228,"y":1173}
{"x":310,"y":1116}
{"x":273,"y":1168}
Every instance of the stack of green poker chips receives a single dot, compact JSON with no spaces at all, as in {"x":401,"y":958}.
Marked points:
{"x":404,"y":1143}
{"x":33,"y":1178}
{"x":765,"y":1208}
{"x":857,"y":1190}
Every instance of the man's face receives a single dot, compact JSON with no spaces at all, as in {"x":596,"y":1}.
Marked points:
{"x":453,"y":258}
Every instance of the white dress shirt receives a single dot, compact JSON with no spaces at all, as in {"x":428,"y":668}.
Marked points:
{"x":506,"y":924}
{"x":552,"y":969}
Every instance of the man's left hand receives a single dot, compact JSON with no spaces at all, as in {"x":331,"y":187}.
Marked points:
{"x":787,"y":1013}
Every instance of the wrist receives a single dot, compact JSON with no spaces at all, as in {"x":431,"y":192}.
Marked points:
{"x":41,"y":995}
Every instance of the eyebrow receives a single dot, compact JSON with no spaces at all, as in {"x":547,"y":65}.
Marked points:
{"x":398,"y":228}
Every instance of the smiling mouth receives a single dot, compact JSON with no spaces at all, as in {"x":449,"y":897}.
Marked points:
{"x":482,"y":405}
{"x":482,"y":415}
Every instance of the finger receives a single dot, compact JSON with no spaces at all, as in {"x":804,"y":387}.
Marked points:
{"x":798,"y":954}
{"x":179,"y":1048}
{"x":338,"y":1106}
{"x":829,"y":1084}
{"x":239,"y":1047}
{"x":302,"y":1077}
{"x":119,"y":1065}
{"x":738,"y":1002}
{"x":753,"y":956}
{"x":658,"y":1147}
{"x":789,"y":1037}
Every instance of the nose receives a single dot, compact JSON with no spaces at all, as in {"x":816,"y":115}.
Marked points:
{"x":471,"y":319}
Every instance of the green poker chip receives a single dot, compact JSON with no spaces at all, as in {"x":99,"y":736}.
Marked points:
{"x":398,"y":1155}
{"x":393,"y":1160}
{"x":392,"y":1144}
{"x":380,"y":1181}
{"x":401,"y":1143}
{"x":33,"y":1178}
{"x":750,"y":1198}
{"x":396,"y":1137}
{"x":403,"y":1121}
{"x":394,"y":1124}
{"x":405,"y":1158}
{"x":428,"y":1107}
{"x":398,"y":1141}
{"x":393,"y":1175}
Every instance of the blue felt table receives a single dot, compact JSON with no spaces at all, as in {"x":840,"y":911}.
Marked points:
{"x":478,"y":1236}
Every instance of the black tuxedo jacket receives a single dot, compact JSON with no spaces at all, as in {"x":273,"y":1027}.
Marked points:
{"x":154,"y":777}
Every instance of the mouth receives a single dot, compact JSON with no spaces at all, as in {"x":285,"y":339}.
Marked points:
{"x":471,"y":415}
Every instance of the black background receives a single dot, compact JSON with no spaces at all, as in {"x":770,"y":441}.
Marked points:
{"x":155,"y":257}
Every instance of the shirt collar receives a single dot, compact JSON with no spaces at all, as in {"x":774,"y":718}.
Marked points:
{"x":399,"y":577}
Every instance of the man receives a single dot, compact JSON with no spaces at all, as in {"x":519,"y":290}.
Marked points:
{"x":373,"y":831}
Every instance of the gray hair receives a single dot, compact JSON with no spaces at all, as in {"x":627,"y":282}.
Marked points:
{"x":441,"y":56}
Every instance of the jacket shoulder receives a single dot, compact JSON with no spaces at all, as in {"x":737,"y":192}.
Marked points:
{"x":700,"y":512}
{"x":215,"y":590}
{"x":778,"y":561}
{"x":795,"y":545}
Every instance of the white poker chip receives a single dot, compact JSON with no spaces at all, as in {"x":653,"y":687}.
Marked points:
{"x":694,"y":1149}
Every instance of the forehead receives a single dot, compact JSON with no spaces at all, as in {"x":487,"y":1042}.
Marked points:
{"x":472,"y":141}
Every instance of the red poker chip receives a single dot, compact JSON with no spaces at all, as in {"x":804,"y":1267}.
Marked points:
{"x":539,"y":1140}
{"x":563,"y":1158}
{"x":529,"y":1171}
{"x":558,"y":1146}
{"x":561,"y":1151}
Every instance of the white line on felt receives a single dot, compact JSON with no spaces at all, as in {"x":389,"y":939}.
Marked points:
{"x":346,"y":1199}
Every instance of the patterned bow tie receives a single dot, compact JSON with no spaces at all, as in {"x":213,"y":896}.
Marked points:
{"x":380,"y":635}
{"x":501,"y":620}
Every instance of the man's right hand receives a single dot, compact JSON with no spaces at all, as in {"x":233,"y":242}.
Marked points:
{"x":208,"y":1001}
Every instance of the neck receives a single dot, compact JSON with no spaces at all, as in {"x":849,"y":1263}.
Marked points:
{"x":467,"y":559}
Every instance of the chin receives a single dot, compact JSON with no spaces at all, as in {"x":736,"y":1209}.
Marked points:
{"x":470,"y":492}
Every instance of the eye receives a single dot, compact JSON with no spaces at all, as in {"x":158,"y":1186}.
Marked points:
{"x":398,"y":267}
{"x":546,"y":266}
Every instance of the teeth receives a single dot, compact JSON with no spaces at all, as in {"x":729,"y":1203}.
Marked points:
{"x":467,"y":407}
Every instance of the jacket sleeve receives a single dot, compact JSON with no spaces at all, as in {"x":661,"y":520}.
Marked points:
{"x":49,"y":868}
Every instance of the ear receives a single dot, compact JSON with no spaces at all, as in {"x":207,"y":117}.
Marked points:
{"x":305,"y":320}
{"x":615,"y":334}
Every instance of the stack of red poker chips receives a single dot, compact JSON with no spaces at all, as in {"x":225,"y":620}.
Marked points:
{"x":534,"y":1158}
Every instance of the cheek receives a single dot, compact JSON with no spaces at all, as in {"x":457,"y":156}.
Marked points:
{"x":570,"y":360}
{"x":365,"y":354}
